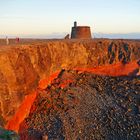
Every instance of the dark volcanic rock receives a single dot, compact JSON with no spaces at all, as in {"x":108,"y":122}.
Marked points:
{"x":84,"y":106}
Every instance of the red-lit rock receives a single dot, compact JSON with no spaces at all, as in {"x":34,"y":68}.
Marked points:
{"x":23,"y":65}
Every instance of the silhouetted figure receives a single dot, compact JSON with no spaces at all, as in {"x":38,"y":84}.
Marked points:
{"x":7,"y":40}
{"x":17,"y":40}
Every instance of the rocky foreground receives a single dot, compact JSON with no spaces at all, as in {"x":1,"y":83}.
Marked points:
{"x":84,"y":106}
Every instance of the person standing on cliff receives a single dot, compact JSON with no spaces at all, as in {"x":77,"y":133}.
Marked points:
{"x":7,"y":40}
{"x":17,"y":40}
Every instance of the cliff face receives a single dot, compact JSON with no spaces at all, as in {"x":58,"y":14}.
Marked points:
{"x":23,"y":66}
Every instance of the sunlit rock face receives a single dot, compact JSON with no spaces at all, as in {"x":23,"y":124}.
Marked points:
{"x":23,"y":66}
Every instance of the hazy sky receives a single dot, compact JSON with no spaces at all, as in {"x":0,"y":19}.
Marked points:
{"x":38,"y":17}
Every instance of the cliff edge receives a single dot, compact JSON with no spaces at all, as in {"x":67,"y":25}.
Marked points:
{"x":22,"y":66}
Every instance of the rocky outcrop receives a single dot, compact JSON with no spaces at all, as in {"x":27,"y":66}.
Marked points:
{"x":115,"y":70}
{"x":23,"y":66}
{"x":81,"y":105}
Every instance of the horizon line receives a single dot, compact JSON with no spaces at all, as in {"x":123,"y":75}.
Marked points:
{"x":131,"y":35}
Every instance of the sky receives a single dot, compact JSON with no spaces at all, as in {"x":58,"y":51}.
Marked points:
{"x":54,"y":18}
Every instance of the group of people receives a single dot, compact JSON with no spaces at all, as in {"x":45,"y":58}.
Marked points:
{"x":16,"y":40}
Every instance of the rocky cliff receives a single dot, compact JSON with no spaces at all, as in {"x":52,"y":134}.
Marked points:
{"x":84,"y":106}
{"x":22,"y":66}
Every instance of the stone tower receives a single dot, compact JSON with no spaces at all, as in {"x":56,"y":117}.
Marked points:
{"x":80,"y":32}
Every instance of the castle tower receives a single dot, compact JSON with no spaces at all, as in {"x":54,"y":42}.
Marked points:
{"x":75,"y":24}
{"x":80,"y":32}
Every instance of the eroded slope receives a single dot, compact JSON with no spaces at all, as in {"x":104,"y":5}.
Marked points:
{"x":80,"y":105}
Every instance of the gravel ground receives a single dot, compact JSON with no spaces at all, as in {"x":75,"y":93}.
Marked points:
{"x":90,"y":107}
